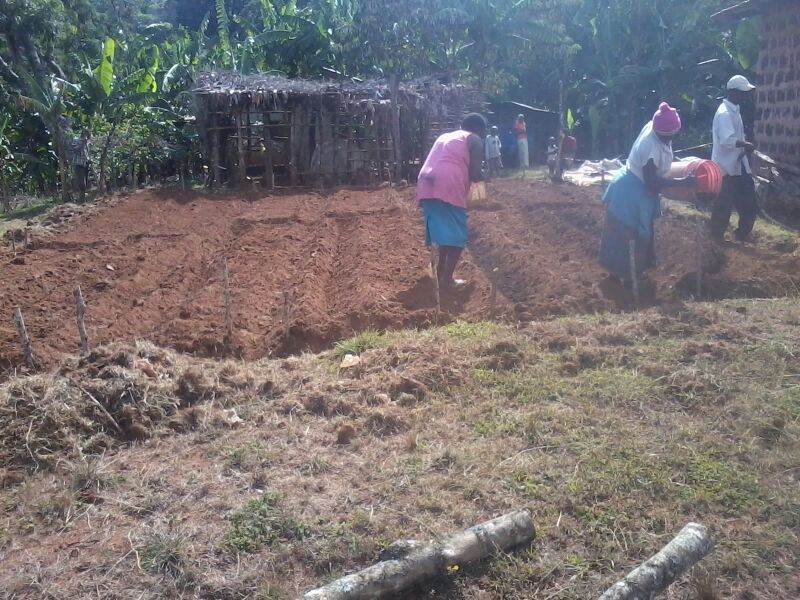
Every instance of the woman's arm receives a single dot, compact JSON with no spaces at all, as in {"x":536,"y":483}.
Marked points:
{"x":654,"y":183}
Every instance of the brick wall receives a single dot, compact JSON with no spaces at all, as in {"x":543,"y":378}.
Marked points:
{"x":777,"y":126}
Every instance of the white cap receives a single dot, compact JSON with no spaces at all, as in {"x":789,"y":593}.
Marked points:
{"x":739,"y":82}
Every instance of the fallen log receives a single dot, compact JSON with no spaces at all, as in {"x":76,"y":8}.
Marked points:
{"x":660,"y":571}
{"x":409,"y":562}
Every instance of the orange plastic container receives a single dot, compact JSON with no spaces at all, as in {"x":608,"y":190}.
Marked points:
{"x":708,"y":179}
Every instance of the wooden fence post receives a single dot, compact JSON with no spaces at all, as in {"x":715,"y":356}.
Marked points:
{"x":228,"y":304}
{"x":80,"y":314}
{"x":435,"y":271}
{"x":699,"y":281}
{"x":634,"y":275}
{"x":27,"y":348}
{"x":286,"y":313}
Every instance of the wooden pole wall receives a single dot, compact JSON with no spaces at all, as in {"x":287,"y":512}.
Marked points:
{"x":215,"y":166}
{"x":242,"y":170}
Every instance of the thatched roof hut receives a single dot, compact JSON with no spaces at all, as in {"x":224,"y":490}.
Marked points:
{"x":300,"y":132}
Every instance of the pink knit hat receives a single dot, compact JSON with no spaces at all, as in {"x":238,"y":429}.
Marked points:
{"x":666,"y":121}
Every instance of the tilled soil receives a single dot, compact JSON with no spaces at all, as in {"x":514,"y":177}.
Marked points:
{"x":307,"y":270}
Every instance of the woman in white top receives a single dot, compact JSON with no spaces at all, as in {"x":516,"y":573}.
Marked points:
{"x":632,"y":198}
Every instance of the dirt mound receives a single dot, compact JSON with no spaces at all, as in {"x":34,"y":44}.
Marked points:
{"x":307,"y":270}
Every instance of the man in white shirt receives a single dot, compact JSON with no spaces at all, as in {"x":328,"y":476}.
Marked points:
{"x":731,"y":150}
{"x":493,"y":153}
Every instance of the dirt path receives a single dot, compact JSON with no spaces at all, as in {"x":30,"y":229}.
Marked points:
{"x":150,"y":267}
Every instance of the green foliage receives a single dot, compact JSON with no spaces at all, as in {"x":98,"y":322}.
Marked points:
{"x":124,"y":68}
{"x":105,"y":72}
{"x":261,"y":522}
{"x":366,"y":340}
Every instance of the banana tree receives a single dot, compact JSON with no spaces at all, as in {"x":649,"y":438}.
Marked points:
{"x":49,"y":104}
{"x":108,"y":95}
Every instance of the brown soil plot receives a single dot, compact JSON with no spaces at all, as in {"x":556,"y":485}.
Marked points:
{"x":150,"y":266}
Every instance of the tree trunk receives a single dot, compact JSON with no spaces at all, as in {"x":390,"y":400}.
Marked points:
{"x":408,"y":563}
{"x":62,"y":163}
{"x":101,"y":180}
{"x":660,"y":571}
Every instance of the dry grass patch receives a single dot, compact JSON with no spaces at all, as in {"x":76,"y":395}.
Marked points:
{"x":615,"y":431}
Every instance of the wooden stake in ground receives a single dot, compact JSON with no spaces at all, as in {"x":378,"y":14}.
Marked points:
{"x":27,"y":348}
{"x":286,"y":313}
{"x":435,"y":272}
{"x":493,"y":301}
{"x":228,"y":304}
{"x":80,"y":314}
{"x":661,"y":570}
{"x":411,"y":562}
{"x":700,"y":240}
{"x":634,"y":274}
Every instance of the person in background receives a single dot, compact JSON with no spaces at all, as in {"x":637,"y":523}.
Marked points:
{"x":730,"y":152}
{"x":569,"y":148}
{"x":78,"y":156}
{"x":493,"y":154}
{"x":452,"y":165}
{"x":508,"y":146}
{"x":552,"y":156}
{"x":632,"y":198}
{"x":521,"y":131}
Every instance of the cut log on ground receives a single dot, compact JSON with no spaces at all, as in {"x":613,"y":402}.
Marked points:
{"x":412,"y":562}
{"x":660,"y":571}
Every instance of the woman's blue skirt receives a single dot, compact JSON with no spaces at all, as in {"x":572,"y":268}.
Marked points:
{"x":615,"y":248}
{"x":630,"y":217}
{"x":445,"y":224}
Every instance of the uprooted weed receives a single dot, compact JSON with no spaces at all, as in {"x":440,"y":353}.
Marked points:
{"x":115,"y":394}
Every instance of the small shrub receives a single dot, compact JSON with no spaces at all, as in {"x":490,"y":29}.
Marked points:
{"x":366,"y":340}
{"x":261,"y":522}
{"x":165,"y":554}
{"x":89,"y":476}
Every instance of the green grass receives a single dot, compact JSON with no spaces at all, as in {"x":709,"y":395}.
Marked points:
{"x":165,"y":554}
{"x":463,"y":330}
{"x":769,"y":230}
{"x":29,"y":212}
{"x":366,"y":340}
{"x":615,"y":441}
{"x":716,"y":481}
{"x":261,"y":523}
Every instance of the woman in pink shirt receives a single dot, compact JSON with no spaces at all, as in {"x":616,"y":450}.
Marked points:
{"x":453,"y":164}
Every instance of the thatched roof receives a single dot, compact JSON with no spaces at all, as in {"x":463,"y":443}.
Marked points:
{"x":223,"y":90}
